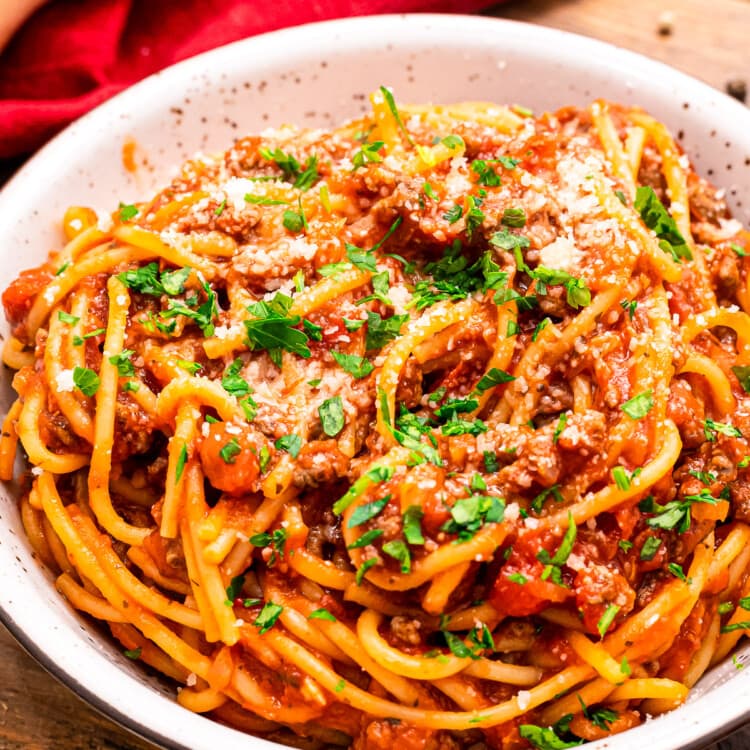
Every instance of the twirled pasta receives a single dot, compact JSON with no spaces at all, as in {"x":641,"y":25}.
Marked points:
{"x":428,"y":430}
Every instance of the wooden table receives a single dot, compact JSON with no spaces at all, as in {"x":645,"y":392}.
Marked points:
{"x":708,"y":40}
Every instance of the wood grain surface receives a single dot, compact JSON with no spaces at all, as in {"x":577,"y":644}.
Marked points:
{"x":708,"y":40}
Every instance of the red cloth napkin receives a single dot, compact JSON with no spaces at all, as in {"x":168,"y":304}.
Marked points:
{"x":73,"y":54}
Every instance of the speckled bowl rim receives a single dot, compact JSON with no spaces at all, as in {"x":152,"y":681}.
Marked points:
{"x":158,"y":719}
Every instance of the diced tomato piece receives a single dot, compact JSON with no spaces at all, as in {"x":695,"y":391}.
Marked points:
{"x":229,"y":459}
{"x":19,"y":296}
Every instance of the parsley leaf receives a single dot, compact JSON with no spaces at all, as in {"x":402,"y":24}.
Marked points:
{"x":640,"y":405}
{"x":362,"y":569}
{"x":268,"y":616}
{"x":398,"y":550}
{"x":127,"y":212}
{"x":369,"y":153}
{"x":382,"y":330}
{"x":742,"y":373}
{"x":181,"y":461}
{"x":486,"y":175}
{"x":357,"y":367}
{"x":607,"y":619}
{"x":274,"y":330}
{"x":276,"y":540}
{"x":64,"y":317}
{"x":367,"y":538}
{"x":292,"y":444}
{"x":514,"y":217}
{"x":711,"y":429}
{"x":468,"y":515}
{"x":123,"y":364}
{"x":545,"y":738}
{"x":232,"y":382}
{"x":321,"y":614}
{"x":657,"y":218}
{"x":331,"y":413}
{"x":230,"y":451}
{"x":452,"y":215}
{"x":86,"y":380}
{"x":302,"y":178}
{"x":650,"y":548}
{"x":412,"y":524}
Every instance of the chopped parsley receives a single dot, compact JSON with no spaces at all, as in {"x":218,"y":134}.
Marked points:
{"x":398,"y":550}
{"x":233,"y":383}
{"x":514,"y":217}
{"x":188,"y":366}
{"x":452,"y":215}
{"x":744,"y":625}
{"x":676,"y":513}
{"x":553,"y":563}
{"x":607,"y":619}
{"x":711,"y":429}
{"x":230,"y":451}
{"x":261,"y":200}
{"x":538,"y":502}
{"x":492,"y":378}
{"x":301,"y":177}
{"x":368,"y":154}
{"x":331,"y":413}
{"x":276,"y":540}
{"x":362,"y":569}
{"x":357,"y":367}
{"x":486,"y":174}
{"x":640,"y":405}
{"x":292,"y":444}
{"x":541,"y":325}
{"x":64,"y":317}
{"x":374,"y":475}
{"x":367,"y":511}
{"x":122,"y":362}
{"x":629,"y":306}
{"x":86,"y":380}
{"x":561,"y":423}
{"x":469,"y":514}
{"x":180,"y":465}
{"x":234,"y":589}
{"x":127,"y":211}
{"x":274,"y":329}
{"x":622,"y":480}
{"x":455,"y":278}
{"x":382,"y":330}
{"x":650,"y":548}
{"x":545,"y":738}
{"x":321,"y":614}
{"x":657,"y":218}
{"x":268,"y":616}
{"x":577,"y":293}
{"x":295,"y":221}
{"x":367,"y":538}
{"x":148,"y":280}
{"x":412,"y":524}
{"x":742,"y":373}
{"x":676,"y":570}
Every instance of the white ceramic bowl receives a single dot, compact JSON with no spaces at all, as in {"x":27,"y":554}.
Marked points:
{"x":319,"y":75}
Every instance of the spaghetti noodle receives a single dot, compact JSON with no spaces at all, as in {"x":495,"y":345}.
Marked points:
{"x":432,"y":429}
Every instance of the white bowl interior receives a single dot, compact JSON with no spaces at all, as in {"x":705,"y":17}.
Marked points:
{"x":318,"y":76}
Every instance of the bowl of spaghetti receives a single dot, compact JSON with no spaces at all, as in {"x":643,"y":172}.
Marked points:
{"x":422,"y":419}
